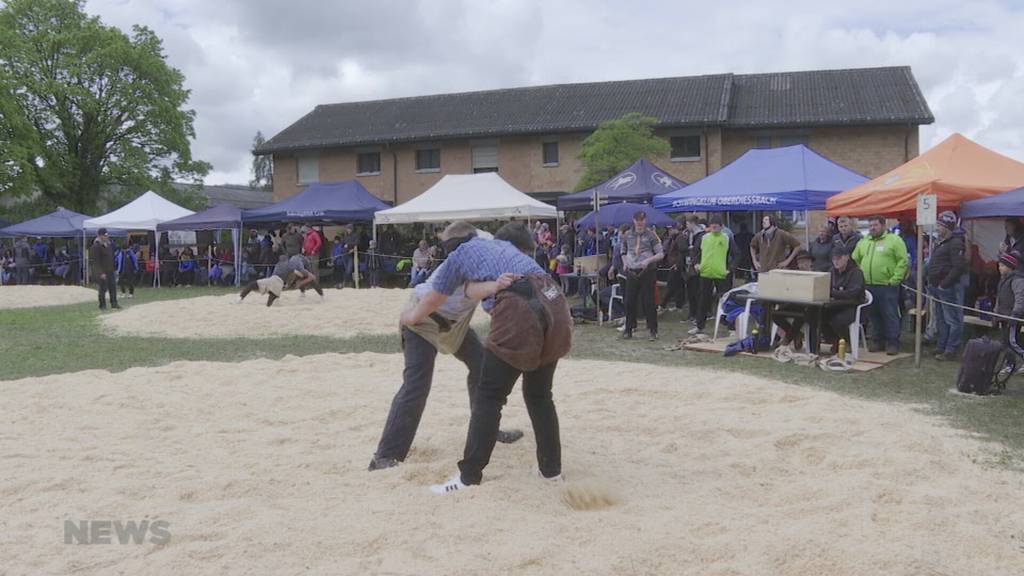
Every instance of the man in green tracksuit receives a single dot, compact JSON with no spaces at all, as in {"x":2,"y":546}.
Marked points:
{"x":882,"y":256}
{"x":716,"y":256}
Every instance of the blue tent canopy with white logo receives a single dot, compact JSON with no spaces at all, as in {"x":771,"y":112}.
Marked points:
{"x":638,"y":183}
{"x":787,"y":178}
{"x":321,"y":203}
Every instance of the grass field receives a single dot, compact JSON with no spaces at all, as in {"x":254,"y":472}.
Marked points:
{"x":42,"y":341}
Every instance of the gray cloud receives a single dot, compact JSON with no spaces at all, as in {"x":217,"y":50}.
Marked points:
{"x":262,"y":64}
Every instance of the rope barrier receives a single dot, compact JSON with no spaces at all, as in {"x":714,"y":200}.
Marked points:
{"x":961,"y":306}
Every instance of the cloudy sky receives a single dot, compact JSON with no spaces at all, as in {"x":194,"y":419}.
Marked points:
{"x":261,"y":64}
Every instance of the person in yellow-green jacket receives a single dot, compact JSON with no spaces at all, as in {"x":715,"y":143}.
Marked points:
{"x":883,"y":257}
{"x":716,"y":259}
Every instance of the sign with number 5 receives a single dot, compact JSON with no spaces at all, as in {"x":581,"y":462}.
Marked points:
{"x":927,"y":206}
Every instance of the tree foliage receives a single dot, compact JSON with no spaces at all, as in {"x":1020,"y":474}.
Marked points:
{"x":262,"y":166}
{"x":85,"y":107}
{"x":618,"y":143}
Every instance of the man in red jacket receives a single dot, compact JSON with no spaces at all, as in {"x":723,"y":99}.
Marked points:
{"x":311,"y":243}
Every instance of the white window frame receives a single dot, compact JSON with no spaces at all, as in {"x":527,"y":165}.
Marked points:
{"x":416,"y":155}
{"x":307,"y":156}
{"x":558,"y":148}
{"x":700,"y":147}
{"x":360,"y":152}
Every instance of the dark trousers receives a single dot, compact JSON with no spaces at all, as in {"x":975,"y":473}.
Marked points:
{"x":884,"y":313}
{"x":21,"y":274}
{"x":693,"y":295}
{"x":836,"y":323}
{"x":496,"y":384}
{"x":410,"y":400}
{"x":107,"y":285}
{"x":711,"y":291}
{"x":640,"y":292}
{"x":127,"y":282}
{"x":676,"y":288}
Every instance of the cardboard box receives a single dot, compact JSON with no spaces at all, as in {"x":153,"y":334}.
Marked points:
{"x":590,"y":264}
{"x":795,"y":285}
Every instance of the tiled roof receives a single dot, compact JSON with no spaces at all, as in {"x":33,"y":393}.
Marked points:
{"x":828,"y":97}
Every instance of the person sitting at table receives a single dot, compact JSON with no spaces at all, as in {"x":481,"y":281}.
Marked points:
{"x":847,"y":285}
{"x":792,"y":326}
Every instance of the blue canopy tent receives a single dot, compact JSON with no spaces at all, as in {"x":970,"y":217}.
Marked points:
{"x":220,"y":217}
{"x":788,"y":178}
{"x":61,"y":223}
{"x":321,"y":203}
{"x":999,"y":206}
{"x":638,"y":183}
{"x":622,"y":213}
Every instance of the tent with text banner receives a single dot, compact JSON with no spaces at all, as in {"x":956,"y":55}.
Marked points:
{"x":321,"y":203}
{"x":955,"y":170}
{"x":638,"y":183}
{"x":787,"y":178}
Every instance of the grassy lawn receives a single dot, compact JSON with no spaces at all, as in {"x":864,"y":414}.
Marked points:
{"x":43,"y":341}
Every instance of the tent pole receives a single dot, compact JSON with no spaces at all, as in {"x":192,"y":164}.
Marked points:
{"x":237,"y":233}
{"x":807,"y":229}
{"x":597,"y":281}
{"x":84,"y":264}
{"x":156,"y":260}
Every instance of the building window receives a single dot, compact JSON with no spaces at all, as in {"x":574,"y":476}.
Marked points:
{"x":368,"y":164}
{"x":308,"y":168}
{"x":428,"y":160}
{"x":685,"y":147}
{"x":485,"y":158}
{"x":793,"y":140}
{"x":551,"y":153}
{"x":763,"y":142}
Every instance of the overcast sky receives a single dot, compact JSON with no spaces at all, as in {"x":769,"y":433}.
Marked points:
{"x":261,"y":64}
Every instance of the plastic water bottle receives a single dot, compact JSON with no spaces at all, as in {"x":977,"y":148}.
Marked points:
{"x":842,"y":349}
{"x":753,"y":339}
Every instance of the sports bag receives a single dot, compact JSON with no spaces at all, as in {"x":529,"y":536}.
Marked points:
{"x":978,"y":366}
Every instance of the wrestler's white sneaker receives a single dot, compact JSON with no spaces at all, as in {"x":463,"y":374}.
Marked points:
{"x":453,"y":484}
{"x":557,"y":479}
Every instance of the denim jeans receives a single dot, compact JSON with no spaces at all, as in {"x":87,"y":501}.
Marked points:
{"x":949,"y":319}
{"x":884,"y":313}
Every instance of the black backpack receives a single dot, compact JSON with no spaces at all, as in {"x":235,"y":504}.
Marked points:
{"x":978,"y":366}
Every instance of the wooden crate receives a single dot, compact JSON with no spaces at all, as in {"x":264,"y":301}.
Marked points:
{"x":795,"y":285}
{"x":590,"y":264}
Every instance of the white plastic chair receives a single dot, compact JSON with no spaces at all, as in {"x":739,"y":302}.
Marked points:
{"x":616,"y":295}
{"x":744,"y":318}
{"x":857,"y":332}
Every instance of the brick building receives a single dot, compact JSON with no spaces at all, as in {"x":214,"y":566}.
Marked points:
{"x":866,"y":119}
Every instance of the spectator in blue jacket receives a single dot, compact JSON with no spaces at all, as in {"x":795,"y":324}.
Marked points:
{"x":126,"y":263}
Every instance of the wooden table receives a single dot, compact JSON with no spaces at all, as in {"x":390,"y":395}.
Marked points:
{"x":812,"y":312}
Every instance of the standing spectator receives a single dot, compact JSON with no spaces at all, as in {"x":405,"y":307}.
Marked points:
{"x":847,"y":284}
{"x":743,"y":241}
{"x":22,"y":259}
{"x":101,"y":263}
{"x":882,"y":257}
{"x":772,"y":247}
{"x":266,"y":258}
{"x":353,"y":242}
{"x":544,"y":237}
{"x":821,"y":249}
{"x":311,"y":244}
{"x":1010,"y":298}
{"x":292,"y":241}
{"x":588,"y":244}
{"x":641,"y":251}
{"x":420,"y":264}
{"x":715,"y":261}
{"x":7,"y":267}
{"x":126,"y":264}
{"x":62,"y":264}
{"x":946,"y":270}
{"x":675,"y":250}
{"x":848,"y":236}
{"x":338,"y":261}
{"x":1014,"y":240}
{"x":694,"y":236}
{"x":373,"y":264}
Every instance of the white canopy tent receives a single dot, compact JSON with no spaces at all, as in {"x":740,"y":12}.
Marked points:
{"x":143,"y":213}
{"x":471,"y":197}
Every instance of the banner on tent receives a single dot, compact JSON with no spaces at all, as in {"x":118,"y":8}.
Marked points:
{"x":713,"y":201}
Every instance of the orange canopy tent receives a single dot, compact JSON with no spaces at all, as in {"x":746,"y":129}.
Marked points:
{"x":956,"y":170}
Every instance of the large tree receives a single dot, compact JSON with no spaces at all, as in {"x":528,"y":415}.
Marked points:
{"x":85,"y":107}
{"x":618,"y":143}
{"x":262,"y":166}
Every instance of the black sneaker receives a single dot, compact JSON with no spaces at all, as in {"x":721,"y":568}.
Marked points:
{"x":946,"y":356}
{"x":509,"y":436}
{"x":379,"y":463}
{"x":103,"y":307}
{"x":627,"y":335}
{"x":892,"y":349}
{"x":115,"y":306}
{"x":653,"y":336}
